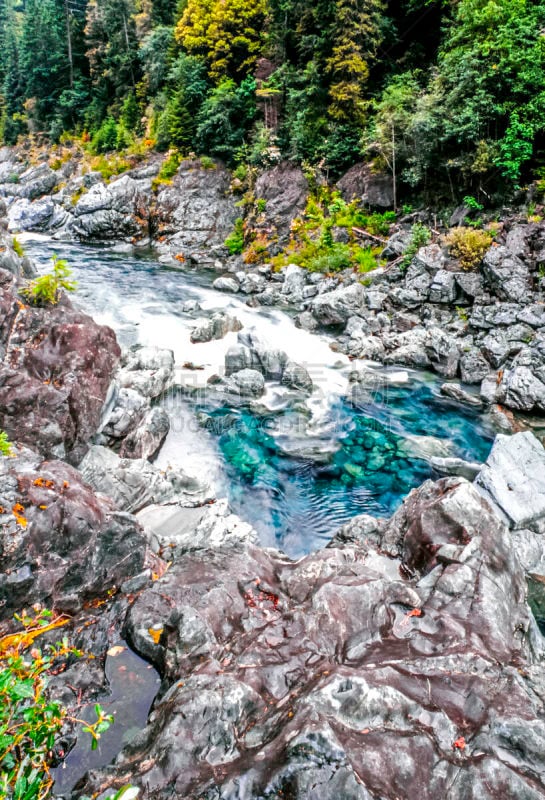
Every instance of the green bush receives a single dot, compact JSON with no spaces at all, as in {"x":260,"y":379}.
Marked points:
{"x":168,"y":170}
{"x":47,"y":288}
{"x":29,"y":720}
{"x":468,"y":245}
{"x":235,"y":241}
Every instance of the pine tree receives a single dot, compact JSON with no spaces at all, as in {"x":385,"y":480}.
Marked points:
{"x":356,"y":37}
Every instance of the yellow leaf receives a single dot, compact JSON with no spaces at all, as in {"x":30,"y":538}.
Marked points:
{"x":155,"y":634}
{"x":115,"y":650}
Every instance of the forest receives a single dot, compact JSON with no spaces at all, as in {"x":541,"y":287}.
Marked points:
{"x":450,"y":95}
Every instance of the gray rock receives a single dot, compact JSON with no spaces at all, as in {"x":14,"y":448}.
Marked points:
{"x":215,"y":327}
{"x":471,"y":283}
{"x":25,"y":215}
{"x":196,"y":211}
{"x":335,"y":308}
{"x":306,"y":321}
{"x":294,"y":282}
{"x":497,"y":347}
{"x":455,"y":391}
{"x":226,"y":283}
{"x":146,"y":439}
{"x":247,"y":383}
{"x":514,"y":478}
{"x":430,"y":258}
{"x":134,"y":484}
{"x":443,"y":352}
{"x":147,"y":370}
{"x":443,"y":287}
{"x":32,"y":183}
{"x":285,"y":190}
{"x":371,"y":188}
{"x":397,"y":244}
{"x":507,"y":274}
{"x":520,"y":389}
{"x":473,"y":366}
{"x":127,"y":413}
{"x":296,"y":376}
{"x":251,"y":282}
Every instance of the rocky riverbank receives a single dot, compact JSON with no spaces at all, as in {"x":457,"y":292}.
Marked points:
{"x":402,"y":660}
{"x":482,"y":328}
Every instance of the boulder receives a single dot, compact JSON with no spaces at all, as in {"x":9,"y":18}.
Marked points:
{"x":456,"y":466}
{"x":119,"y":210}
{"x":197,"y":211}
{"x":60,"y":544}
{"x":145,"y":440}
{"x":32,"y":183}
{"x":226,"y":283}
{"x":336,"y":307}
{"x":507,"y":274}
{"x":473,"y":365}
{"x":247,"y":383}
{"x":284,"y":188}
{"x":134,"y":483}
{"x":443,"y":352}
{"x":513,"y":477}
{"x":56,"y":365}
{"x":295,"y":279}
{"x":455,"y":391}
{"x":126,"y":413}
{"x":443,"y":288}
{"x":215,"y":327}
{"x":519,"y":388}
{"x":296,"y":376}
{"x":147,"y":370}
{"x":370,"y":187}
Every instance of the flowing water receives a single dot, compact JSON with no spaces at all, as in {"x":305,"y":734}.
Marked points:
{"x":295,"y":468}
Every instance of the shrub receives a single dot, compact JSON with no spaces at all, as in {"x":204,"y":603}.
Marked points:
{"x":420,"y":237}
{"x":108,"y":166}
{"x":105,"y":139}
{"x":18,"y":247}
{"x":5,"y":445}
{"x":235,"y":241}
{"x":168,"y":170}
{"x":47,"y":288}
{"x":29,"y":721}
{"x":468,"y":245}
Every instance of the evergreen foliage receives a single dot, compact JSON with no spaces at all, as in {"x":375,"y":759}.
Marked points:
{"x":449,"y":97}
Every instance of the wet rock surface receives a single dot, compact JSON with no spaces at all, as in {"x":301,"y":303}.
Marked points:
{"x":404,"y":663}
{"x":61,"y":544}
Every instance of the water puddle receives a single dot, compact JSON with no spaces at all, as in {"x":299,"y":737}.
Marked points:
{"x":133,"y":686}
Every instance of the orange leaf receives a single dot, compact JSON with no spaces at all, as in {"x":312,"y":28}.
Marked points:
{"x":414,"y":612}
{"x":460,"y":743}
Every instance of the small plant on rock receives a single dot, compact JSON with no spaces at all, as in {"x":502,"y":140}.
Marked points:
{"x":46,"y":289}
{"x":235,"y":241}
{"x":420,"y":237}
{"x":6,"y":448}
{"x":29,"y":720}
{"x":469,"y":246}
{"x":18,"y":247}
